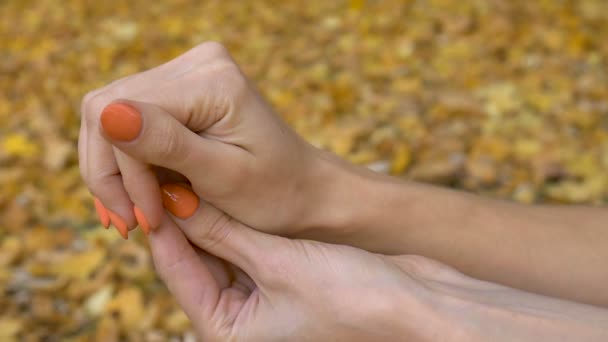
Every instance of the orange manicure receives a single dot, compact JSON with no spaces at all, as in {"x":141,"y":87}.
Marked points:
{"x":179,"y":200}
{"x":120,"y":224}
{"x":121,"y":121}
{"x":141,"y":220}
{"x":102,"y":213}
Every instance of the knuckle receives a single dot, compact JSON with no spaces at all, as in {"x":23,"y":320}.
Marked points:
{"x":133,"y":182}
{"x":424,"y":267}
{"x":97,"y":185}
{"x":95,"y":182}
{"x":85,"y":104}
{"x":221,"y":70}
{"x":212,"y":49}
{"x":215,"y":231}
{"x":229,"y":73}
{"x":229,"y":82}
{"x":233,"y":85}
{"x":168,"y":143}
{"x":94,"y":101}
{"x":93,"y":107}
{"x":166,"y":270}
{"x":413,"y":264}
{"x":102,"y":182}
{"x":86,"y":98}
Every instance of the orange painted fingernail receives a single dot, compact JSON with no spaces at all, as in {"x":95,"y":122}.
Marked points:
{"x":121,"y":121}
{"x":102,"y":213}
{"x":179,"y":200}
{"x":120,"y":224}
{"x":141,"y":220}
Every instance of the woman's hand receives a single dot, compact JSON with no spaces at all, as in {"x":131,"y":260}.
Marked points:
{"x":232,"y":147}
{"x":199,"y":116}
{"x":270,"y":288}
{"x":260,"y":287}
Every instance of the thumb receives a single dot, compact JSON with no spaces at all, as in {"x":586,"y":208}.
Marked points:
{"x":149,"y":134}
{"x":219,"y":234}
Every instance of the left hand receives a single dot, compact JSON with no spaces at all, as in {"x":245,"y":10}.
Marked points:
{"x":197,"y":115}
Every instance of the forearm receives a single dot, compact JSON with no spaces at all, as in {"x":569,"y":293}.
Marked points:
{"x":487,"y":312}
{"x":557,"y":251}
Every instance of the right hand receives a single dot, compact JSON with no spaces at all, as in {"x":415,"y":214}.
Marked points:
{"x":239,"y":284}
{"x":199,"y":116}
{"x":236,"y":283}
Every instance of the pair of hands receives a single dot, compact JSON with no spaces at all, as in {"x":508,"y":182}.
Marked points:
{"x":197,"y":120}
{"x":201,"y":119}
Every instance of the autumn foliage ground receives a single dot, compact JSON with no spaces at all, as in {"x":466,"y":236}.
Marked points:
{"x":507,"y":98}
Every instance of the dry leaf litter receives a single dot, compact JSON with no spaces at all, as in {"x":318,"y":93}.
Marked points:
{"x":507,"y":98}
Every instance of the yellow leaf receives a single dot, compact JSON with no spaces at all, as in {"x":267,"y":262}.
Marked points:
{"x":96,"y":303}
{"x":18,"y":145}
{"x":80,"y":265}
{"x":11,"y":249}
{"x":357,"y":5}
{"x":401,"y":159}
{"x":129,"y":306}
{"x":176,"y":322}
{"x":9,"y":328}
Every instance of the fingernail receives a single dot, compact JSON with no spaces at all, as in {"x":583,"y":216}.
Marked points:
{"x":102,"y":213}
{"x":141,"y":220}
{"x":179,"y":200}
{"x":121,"y":121}
{"x":120,"y":224}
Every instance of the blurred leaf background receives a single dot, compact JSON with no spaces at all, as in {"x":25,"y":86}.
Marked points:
{"x":508,"y":98}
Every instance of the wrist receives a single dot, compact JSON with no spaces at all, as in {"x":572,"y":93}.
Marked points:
{"x":418,"y":314}
{"x":350,"y":204}
{"x":335,"y":191}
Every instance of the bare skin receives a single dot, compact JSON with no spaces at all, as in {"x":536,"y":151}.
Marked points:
{"x":558,"y":251}
{"x":271,"y":288}
{"x":202,"y":119}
